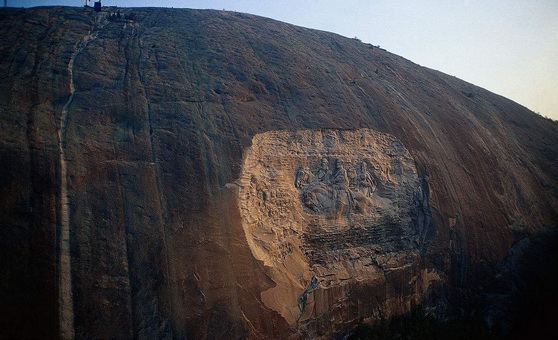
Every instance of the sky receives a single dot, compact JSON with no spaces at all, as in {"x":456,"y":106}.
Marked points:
{"x":509,"y":47}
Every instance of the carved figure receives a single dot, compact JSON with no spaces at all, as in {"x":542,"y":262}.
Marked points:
{"x":339,"y":178}
{"x":340,"y":184}
{"x":365,"y":183}
{"x":316,"y":195}
{"x":323,"y":172}
{"x":303,"y":177}
{"x":352,"y":175}
{"x":327,"y":192}
{"x":397,"y":167}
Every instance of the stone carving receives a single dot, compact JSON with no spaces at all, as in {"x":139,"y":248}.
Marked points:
{"x":323,"y":173}
{"x":303,"y":177}
{"x":340,"y":182}
{"x":331,"y":192}
{"x":323,"y":208}
{"x":365,"y":183}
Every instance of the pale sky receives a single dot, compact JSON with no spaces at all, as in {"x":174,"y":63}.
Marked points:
{"x":509,"y":47}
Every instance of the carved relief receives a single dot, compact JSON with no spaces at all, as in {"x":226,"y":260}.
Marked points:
{"x":328,"y":191}
{"x":321,"y":208}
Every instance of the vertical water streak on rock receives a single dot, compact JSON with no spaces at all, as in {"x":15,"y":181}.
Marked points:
{"x":168,"y":270}
{"x":65,"y":295}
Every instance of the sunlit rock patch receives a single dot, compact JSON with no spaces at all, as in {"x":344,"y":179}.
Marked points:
{"x":324,"y":208}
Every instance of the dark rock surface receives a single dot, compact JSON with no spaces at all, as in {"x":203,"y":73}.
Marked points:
{"x":148,"y":117}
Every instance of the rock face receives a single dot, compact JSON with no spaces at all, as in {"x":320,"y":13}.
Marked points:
{"x":204,"y":174}
{"x":319,"y":219}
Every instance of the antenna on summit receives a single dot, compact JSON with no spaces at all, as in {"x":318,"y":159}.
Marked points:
{"x":87,"y":3}
{"x":5,"y":3}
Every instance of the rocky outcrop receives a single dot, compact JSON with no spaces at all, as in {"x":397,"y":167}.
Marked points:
{"x":136,"y":152}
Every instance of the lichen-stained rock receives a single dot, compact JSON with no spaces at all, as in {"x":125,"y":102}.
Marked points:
{"x":123,"y":144}
{"x":318,"y":218}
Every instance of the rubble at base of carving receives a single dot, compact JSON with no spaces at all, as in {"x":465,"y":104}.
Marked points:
{"x":325,"y":208}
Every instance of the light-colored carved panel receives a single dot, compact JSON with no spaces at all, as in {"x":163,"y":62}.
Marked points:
{"x":322,"y":208}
